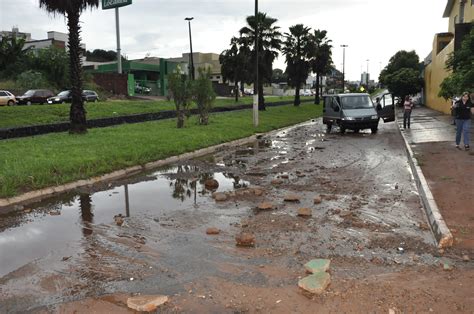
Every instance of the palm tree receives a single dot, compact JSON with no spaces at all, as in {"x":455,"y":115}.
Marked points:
{"x":297,"y":49}
{"x":321,"y":57}
{"x":268,"y":46}
{"x":235,"y":63}
{"x":72,"y":9}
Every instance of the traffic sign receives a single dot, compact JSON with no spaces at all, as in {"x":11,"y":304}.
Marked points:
{"x":111,"y":4}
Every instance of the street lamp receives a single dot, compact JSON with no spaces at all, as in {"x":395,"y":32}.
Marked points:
{"x":191,"y":62}
{"x":343,"y":66}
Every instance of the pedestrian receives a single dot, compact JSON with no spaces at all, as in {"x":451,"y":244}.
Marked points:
{"x":463,"y":113}
{"x":407,"y":107}
{"x":378,"y":105}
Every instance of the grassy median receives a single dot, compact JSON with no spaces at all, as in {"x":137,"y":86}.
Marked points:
{"x":36,"y":162}
{"x":44,"y":114}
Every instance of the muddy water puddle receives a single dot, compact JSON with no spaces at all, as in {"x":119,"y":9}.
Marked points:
{"x":58,"y":223}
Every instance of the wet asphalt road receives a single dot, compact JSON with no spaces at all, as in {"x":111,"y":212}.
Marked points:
{"x":68,"y":247}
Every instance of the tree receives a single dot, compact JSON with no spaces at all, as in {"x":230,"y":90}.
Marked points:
{"x":181,"y":89}
{"x":402,"y":75}
{"x":72,"y":10}
{"x":13,"y":57}
{"x":461,"y":63}
{"x":321,"y":57}
{"x":100,"y":55}
{"x":297,"y":51}
{"x":203,"y":94}
{"x":278,"y":76}
{"x":268,"y":46}
{"x":53,"y":62}
{"x":235,"y":64}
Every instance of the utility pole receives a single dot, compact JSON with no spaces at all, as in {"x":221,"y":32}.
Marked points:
{"x":255,"y":97}
{"x":343,"y":66}
{"x":117,"y":29}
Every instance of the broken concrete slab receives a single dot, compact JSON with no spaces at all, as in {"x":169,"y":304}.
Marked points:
{"x":315,"y":283}
{"x":317,"y":265}
{"x":146,"y":303}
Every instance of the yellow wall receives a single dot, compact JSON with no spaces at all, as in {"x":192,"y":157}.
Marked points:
{"x":435,"y":73}
{"x":468,"y":14}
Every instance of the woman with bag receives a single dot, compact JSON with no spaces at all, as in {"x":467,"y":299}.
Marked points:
{"x":463,"y":112}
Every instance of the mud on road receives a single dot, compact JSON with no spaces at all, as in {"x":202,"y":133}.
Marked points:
{"x":93,"y":248}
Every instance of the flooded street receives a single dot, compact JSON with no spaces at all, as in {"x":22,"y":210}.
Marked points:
{"x":92,"y":248}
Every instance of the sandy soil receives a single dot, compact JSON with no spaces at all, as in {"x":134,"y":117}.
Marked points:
{"x":451,"y":181}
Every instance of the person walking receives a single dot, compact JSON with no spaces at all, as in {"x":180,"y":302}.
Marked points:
{"x":463,"y":113}
{"x":407,"y":107}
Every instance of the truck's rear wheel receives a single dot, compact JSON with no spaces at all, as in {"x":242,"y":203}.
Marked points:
{"x":374,"y":129}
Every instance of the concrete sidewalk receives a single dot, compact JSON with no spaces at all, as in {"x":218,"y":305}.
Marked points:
{"x":437,"y":167}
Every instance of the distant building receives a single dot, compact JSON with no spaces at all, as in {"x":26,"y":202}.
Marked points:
{"x":15,"y":32}
{"x":54,"y":39}
{"x":365,"y":78}
{"x":461,"y":19}
{"x":201,"y":60}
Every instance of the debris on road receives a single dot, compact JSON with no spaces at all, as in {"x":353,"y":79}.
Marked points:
{"x":245,"y":239}
{"x":212,"y":231}
{"x":317,"y":265}
{"x":146,"y":303}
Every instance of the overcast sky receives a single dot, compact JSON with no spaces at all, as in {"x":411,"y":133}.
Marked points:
{"x":374,"y":29}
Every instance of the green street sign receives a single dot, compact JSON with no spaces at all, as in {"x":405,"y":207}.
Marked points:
{"x":110,"y":4}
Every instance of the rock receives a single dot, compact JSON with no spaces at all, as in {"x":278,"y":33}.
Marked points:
{"x":301,"y":175}
{"x":211,"y":184}
{"x":317,"y":200}
{"x":212,"y":230}
{"x":305,"y":212}
{"x":245,"y":239}
{"x":284,"y":176}
{"x":265,"y":206}
{"x":466,"y":258}
{"x":447,"y":266}
{"x":118,"y":219}
{"x":146,"y":303}
{"x":55,"y":213}
{"x":257,"y":192}
{"x":292,"y":198}
{"x":315,"y":283}
{"x":220,"y":196}
{"x":276,"y":181}
{"x":317,"y":265}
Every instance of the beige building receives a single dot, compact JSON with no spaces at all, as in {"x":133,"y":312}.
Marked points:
{"x":461,"y":19}
{"x":202,"y":60}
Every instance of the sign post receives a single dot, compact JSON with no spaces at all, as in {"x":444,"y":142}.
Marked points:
{"x":116,"y":4}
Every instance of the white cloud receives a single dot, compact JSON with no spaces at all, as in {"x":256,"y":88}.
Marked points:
{"x":373,"y":29}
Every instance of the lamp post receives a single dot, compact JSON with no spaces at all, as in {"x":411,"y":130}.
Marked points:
{"x":255,"y":97}
{"x":191,"y":62}
{"x":343,"y":66}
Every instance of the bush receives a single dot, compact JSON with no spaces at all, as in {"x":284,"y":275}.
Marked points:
{"x":203,"y":95}
{"x":32,"y":80}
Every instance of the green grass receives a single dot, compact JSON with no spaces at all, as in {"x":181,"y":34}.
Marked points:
{"x":40,"y":161}
{"x":33,"y":115}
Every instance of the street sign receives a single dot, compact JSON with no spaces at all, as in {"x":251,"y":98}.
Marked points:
{"x":111,"y":4}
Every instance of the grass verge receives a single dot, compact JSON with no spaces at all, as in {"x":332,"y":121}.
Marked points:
{"x":36,"y":162}
{"x":33,"y":115}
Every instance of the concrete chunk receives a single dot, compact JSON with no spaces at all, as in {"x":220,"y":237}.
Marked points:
{"x":315,"y":283}
{"x":317,"y":265}
{"x":146,"y":303}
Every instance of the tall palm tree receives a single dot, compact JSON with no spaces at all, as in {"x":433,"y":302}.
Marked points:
{"x":321,"y":57}
{"x":72,"y":9}
{"x":269,"y":43}
{"x":297,"y":49}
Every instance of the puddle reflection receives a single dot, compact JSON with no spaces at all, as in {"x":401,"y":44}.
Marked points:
{"x":58,"y":224}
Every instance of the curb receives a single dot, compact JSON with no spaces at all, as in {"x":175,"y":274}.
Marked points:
{"x":37,"y":195}
{"x":437,"y":224}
